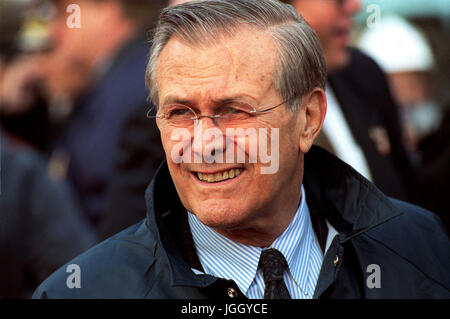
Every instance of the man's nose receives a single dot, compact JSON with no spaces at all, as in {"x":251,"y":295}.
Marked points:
{"x":208,"y":140}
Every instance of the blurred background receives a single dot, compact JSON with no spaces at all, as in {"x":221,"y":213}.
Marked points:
{"x":412,"y":45}
{"x":71,"y":86}
{"x":77,"y":150}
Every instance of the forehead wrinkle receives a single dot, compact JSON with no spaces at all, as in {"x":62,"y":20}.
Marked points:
{"x":205,"y":65}
{"x":232,"y":63}
{"x":250,"y":59}
{"x":232,"y":60}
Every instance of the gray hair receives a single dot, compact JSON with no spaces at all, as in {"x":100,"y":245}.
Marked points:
{"x":301,"y":63}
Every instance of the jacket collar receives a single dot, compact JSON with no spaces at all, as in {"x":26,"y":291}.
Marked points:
{"x":348,"y":201}
{"x":165,"y":219}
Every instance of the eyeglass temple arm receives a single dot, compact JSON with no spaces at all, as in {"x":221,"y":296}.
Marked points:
{"x":267,"y":110}
{"x":153,"y":116}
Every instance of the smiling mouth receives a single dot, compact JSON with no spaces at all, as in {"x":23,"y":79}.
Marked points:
{"x":219,"y":177}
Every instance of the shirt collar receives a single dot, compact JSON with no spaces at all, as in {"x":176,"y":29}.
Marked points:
{"x":227,"y":259}
{"x":222,"y":257}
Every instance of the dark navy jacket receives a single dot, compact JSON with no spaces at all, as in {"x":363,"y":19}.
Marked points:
{"x":41,"y":225}
{"x":92,"y":135}
{"x":153,"y":259}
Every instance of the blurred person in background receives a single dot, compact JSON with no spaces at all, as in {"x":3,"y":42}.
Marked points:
{"x":139,"y":157}
{"x":404,"y":53}
{"x":93,"y":76}
{"x":112,"y":46}
{"x":362,"y":125}
{"x":22,"y":104}
{"x":41,"y":223}
{"x":72,"y":95}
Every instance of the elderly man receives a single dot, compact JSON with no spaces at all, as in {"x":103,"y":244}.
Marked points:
{"x":226,"y":220}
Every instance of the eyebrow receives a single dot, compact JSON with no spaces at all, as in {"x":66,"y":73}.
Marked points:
{"x":173,"y":99}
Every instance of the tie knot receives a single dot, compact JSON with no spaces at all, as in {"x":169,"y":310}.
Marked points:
{"x":272,"y":264}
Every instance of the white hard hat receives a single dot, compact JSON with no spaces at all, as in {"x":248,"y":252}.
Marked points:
{"x":397,"y":46}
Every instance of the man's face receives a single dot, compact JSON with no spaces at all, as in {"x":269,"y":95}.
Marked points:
{"x":332,"y":20}
{"x":75,"y":50}
{"x":78,"y":45}
{"x":236,"y":69}
{"x":410,"y":88}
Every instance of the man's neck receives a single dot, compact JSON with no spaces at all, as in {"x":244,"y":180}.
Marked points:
{"x":110,"y":44}
{"x":268,"y":228}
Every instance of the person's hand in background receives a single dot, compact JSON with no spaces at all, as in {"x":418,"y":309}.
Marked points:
{"x":20,"y":81}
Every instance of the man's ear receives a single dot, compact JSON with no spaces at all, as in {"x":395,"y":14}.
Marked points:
{"x":314,"y":108}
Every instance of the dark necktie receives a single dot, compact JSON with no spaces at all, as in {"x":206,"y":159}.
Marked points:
{"x":273,"y":264}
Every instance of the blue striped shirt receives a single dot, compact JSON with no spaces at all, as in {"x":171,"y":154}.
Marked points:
{"x":224,"y":258}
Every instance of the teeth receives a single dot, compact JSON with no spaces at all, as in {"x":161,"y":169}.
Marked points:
{"x":219,"y":177}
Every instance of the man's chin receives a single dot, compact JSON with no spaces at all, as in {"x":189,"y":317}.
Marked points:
{"x":337,"y":60}
{"x":221,"y":216}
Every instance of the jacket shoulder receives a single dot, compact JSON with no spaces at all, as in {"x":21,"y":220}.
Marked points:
{"x":425,"y":220}
{"x":418,"y":238}
{"x":119,"y":267}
